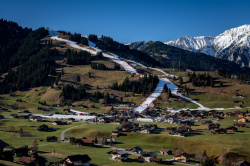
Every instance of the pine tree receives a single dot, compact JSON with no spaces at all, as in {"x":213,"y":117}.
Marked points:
{"x":52,"y":84}
{"x":21,"y":132}
{"x":169,"y":93}
{"x":165,"y":88}
{"x":180,"y":80}
{"x":133,"y":90}
{"x":96,"y":141}
{"x":211,"y":82}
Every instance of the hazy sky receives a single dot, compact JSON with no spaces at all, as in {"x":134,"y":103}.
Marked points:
{"x":130,"y":20}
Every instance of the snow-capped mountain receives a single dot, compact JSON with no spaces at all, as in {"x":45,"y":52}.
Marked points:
{"x":233,"y":44}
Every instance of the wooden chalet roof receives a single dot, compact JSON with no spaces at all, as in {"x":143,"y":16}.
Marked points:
{"x":3,"y":144}
{"x":84,"y":158}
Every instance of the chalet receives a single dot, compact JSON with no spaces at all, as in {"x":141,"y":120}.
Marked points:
{"x":76,"y":160}
{"x":119,"y":155}
{"x":213,"y":126}
{"x":244,"y":120}
{"x":26,"y":111}
{"x":164,"y":151}
{"x":184,"y":129}
{"x":115,"y":133}
{"x":247,"y":116}
{"x":26,"y":116}
{"x":146,"y":131}
{"x":145,"y":157}
{"x":182,"y":157}
{"x":3,"y":145}
{"x":136,"y":149}
{"x":178,"y":133}
{"x":36,"y":118}
{"x":220,"y":131}
{"x":21,"y":151}
{"x":169,"y":129}
{"x":240,"y":125}
{"x":127,"y":126}
{"x":84,"y":142}
{"x":58,"y":123}
{"x":44,"y":127}
{"x":229,"y":114}
{"x":238,"y":102}
{"x":104,"y":120}
{"x":155,"y":160}
{"x":52,"y":139}
{"x":231,"y":129}
{"x":14,"y":116}
{"x":27,"y":161}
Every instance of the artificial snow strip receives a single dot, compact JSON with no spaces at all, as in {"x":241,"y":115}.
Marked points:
{"x":162,"y":81}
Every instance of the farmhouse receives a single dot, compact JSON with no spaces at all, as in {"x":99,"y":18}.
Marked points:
{"x":119,"y":155}
{"x":155,"y":160}
{"x":52,"y":139}
{"x":244,"y":120}
{"x":182,"y":157}
{"x":36,"y":119}
{"x":145,"y":157}
{"x":136,"y":149}
{"x":76,"y":160}
{"x":164,"y":151}
{"x":27,"y":160}
{"x":84,"y":142}
{"x":58,"y":123}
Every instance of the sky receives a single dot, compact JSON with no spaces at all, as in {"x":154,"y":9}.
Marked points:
{"x":128,"y":21}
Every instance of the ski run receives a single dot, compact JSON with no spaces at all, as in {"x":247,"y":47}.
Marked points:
{"x":123,"y":62}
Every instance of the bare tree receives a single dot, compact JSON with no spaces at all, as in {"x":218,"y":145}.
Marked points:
{"x":35,"y":144}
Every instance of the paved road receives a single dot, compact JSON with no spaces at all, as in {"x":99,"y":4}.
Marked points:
{"x":64,"y":131}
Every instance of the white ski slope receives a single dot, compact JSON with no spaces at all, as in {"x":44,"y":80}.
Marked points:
{"x":92,"y":50}
{"x":146,"y":104}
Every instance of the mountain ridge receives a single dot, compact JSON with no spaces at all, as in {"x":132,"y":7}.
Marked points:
{"x":233,"y":45}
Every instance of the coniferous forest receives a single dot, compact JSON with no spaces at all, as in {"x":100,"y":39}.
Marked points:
{"x":145,"y":84}
{"x":21,"y":48}
{"x":78,"y":58}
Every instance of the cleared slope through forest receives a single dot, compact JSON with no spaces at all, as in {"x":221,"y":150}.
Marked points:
{"x":148,"y":102}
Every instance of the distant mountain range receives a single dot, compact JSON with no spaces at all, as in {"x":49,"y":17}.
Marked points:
{"x":233,"y":45}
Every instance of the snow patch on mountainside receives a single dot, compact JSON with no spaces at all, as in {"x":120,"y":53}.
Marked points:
{"x":233,"y":44}
{"x":202,"y":44}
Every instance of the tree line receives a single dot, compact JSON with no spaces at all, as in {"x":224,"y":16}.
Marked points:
{"x":78,"y":58}
{"x":201,"y":79}
{"x":145,"y":84}
{"x":77,"y":37}
{"x":70,"y":92}
{"x":98,"y":66}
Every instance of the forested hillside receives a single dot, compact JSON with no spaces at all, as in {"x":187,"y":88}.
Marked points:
{"x":21,"y":48}
{"x":107,"y":43}
{"x":173,"y":57}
